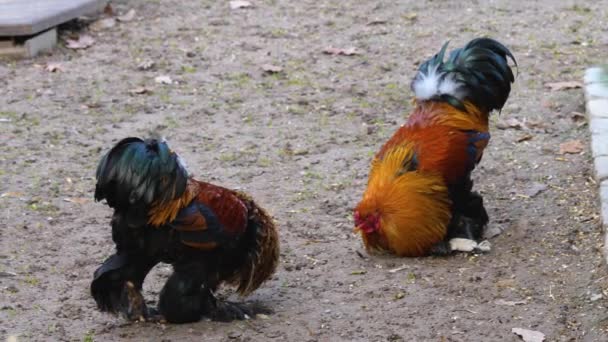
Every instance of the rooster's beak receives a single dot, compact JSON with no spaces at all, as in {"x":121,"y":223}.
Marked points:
{"x":357,"y":229}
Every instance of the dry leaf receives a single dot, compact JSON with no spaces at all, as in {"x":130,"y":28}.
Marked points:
{"x":410,"y":16}
{"x":529,"y":335}
{"x":140,"y":91}
{"x":12,"y":194}
{"x":571,"y":146}
{"x":505,"y":283}
{"x":510,"y":123}
{"x":576,"y":116}
{"x":345,"y":52}
{"x":53,"y":67}
{"x":240,"y":4}
{"x":93,"y":105}
{"x":509,"y":303}
{"x":163,"y":80}
{"x":271,"y":69}
{"x":377,"y":22}
{"x":103,"y":24}
{"x":77,"y":200}
{"x":83,"y":42}
{"x":535,"y":189}
{"x":564,"y":85}
{"x":400,"y":268}
{"x":130,"y":15}
{"x":108,"y":10}
{"x":525,"y":137}
{"x":146,"y":64}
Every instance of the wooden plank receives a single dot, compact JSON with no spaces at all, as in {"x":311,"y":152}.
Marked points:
{"x":28,"y":17}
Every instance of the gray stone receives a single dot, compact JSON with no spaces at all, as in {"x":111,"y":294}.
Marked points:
{"x":601,"y":168}
{"x":596,"y":90}
{"x":593,"y":75}
{"x":598,"y":107}
{"x":598,"y":125}
{"x":599,"y":145}
{"x":42,"y":42}
{"x":604,"y":200}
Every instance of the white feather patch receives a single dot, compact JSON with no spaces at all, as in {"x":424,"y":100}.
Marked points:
{"x":433,"y":83}
{"x":467,"y":245}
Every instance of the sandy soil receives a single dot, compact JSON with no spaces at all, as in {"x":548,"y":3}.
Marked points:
{"x":300,"y":141}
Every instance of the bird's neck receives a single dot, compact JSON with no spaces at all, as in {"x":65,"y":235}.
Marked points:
{"x":162,"y":214}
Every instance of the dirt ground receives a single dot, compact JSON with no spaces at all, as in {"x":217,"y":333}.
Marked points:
{"x":300,"y":142}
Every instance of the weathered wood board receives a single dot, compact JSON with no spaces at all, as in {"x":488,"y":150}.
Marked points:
{"x":28,"y":17}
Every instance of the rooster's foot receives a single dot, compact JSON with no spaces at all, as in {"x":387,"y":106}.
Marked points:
{"x":133,"y":306}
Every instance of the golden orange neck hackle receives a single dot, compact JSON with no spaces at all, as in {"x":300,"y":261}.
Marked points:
{"x":162,"y":214}
{"x":442,"y":113}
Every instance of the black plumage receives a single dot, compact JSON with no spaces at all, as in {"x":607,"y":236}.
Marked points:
{"x":140,"y":172}
{"x":480,"y":70}
{"x":209,"y":234}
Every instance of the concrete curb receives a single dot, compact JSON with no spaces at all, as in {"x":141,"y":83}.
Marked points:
{"x":596,"y":94}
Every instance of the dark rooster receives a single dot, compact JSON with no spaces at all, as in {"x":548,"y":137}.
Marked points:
{"x":419,"y":197}
{"x":209,"y":234}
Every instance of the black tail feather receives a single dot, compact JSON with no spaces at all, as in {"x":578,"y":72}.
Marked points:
{"x":479,"y":72}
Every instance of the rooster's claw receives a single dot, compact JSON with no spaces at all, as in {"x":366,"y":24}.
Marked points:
{"x":132,"y":302}
{"x":223,"y":311}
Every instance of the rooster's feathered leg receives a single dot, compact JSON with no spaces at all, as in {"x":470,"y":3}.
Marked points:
{"x":181,"y":298}
{"x":117,"y":284}
{"x":224,"y":311}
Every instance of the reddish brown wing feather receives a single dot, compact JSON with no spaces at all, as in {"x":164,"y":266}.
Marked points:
{"x":193,"y":222}
{"x":214,"y":216}
{"x":229,"y":209}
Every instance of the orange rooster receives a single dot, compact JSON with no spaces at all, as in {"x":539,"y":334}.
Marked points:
{"x":418,"y":199}
{"x":209,"y":234}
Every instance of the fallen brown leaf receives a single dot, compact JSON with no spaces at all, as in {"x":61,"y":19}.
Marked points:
{"x":571,"y":146}
{"x":83,"y":42}
{"x":130,"y":15}
{"x":505,"y":283}
{"x":377,"y":22}
{"x":510,"y":123}
{"x":536,"y":123}
{"x":140,"y":91}
{"x":12,"y":194}
{"x":525,"y":137}
{"x":337,"y":51}
{"x":240,"y":4}
{"x":103,"y":24}
{"x":146,"y":64}
{"x":271,"y":69}
{"x":77,"y":200}
{"x":576,"y":116}
{"x":509,"y":303}
{"x":555,"y":86}
{"x":399,"y":295}
{"x":535,"y":189}
{"x":53,"y":67}
{"x":92,"y":105}
{"x":108,"y":10}
{"x":410,"y":16}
